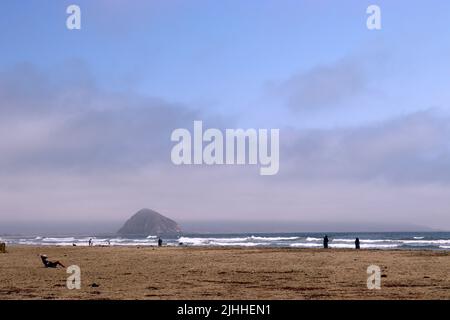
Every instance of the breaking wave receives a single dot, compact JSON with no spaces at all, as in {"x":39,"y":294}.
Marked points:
{"x":434,"y":241}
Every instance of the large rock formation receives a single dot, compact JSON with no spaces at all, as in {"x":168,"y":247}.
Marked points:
{"x":147,"y":222}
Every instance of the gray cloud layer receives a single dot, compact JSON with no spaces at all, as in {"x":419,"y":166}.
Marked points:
{"x":71,"y":150}
{"x":409,"y":149}
{"x":50,"y":123}
{"x":325,"y":86}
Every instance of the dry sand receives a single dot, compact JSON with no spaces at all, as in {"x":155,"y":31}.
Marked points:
{"x":223,"y":273}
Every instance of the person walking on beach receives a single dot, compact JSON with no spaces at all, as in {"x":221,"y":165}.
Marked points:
{"x":325,"y":242}
{"x":90,"y":242}
{"x":159,"y":242}
{"x":357,"y":243}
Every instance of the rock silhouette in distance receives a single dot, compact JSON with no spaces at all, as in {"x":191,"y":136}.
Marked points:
{"x":148,"y":222}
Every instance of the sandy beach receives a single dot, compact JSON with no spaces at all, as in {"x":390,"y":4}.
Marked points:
{"x":223,"y":273}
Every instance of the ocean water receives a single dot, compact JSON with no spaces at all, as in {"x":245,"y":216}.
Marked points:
{"x":377,"y":240}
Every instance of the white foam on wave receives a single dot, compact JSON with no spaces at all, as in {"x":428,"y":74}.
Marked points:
{"x":87,"y":239}
{"x":239,"y":244}
{"x":344,"y":245}
{"x":425,"y":242}
{"x":238,"y":241}
{"x":118,"y":240}
{"x":273,"y":238}
{"x":140,"y":244}
{"x":192,"y":241}
{"x":207,"y":241}
{"x":99,"y":240}
{"x":68,"y":239}
{"x":363,"y":240}
{"x":313,"y":239}
{"x":245,"y":242}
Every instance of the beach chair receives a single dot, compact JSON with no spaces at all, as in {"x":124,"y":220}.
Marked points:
{"x":2,"y":247}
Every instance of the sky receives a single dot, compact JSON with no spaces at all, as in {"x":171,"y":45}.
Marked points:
{"x":364,"y":115}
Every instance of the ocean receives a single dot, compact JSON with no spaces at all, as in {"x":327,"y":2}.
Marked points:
{"x":374,"y":240}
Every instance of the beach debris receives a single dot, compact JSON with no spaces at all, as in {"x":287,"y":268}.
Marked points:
{"x":152,"y":288}
{"x":94,"y":285}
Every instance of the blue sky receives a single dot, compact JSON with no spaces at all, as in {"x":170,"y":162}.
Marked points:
{"x":223,"y":54}
{"x":81,"y":102}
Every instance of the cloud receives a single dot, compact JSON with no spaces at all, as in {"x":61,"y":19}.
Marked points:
{"x":325,"y":86}
{"x":57,"y":123}
{"x":409,"y":149}
{"x":73,"y":151}
{"x":49,"y":122}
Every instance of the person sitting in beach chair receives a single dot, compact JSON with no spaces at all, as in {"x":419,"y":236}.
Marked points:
{"x":50,"y":264}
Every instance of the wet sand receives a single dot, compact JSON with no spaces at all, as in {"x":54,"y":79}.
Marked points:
{"x":223,"y":273}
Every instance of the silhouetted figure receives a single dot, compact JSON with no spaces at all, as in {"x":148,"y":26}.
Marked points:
{"x":357,"y":243}
{"x":90,"y":242}
{"x":325,"y":242}
{"x":159,"y":242}
{"x":50,"y":264}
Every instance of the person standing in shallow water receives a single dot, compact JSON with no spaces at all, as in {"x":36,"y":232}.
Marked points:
{"x":325,"y":242}
{"x":159,"y":242}
{"x":357,"y":246}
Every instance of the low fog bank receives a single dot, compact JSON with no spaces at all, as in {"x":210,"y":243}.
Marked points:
{"x":90,"y":228}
